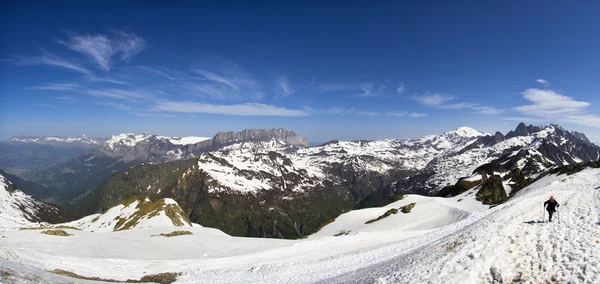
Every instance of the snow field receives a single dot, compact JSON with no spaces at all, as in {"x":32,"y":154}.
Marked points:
{"x":515,"y":244}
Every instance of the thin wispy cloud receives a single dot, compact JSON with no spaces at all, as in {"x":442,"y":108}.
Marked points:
{"x":56,"y":87}
{"x":46,"y":105}
{"x":228,"y":82}
{"x":400,"y":89}
{"x":154,"y":114}
{"x":164,"y":72}
{"x":102,"y":49}
{"x":283,"y":88}
{"x":371,"y":90}
{"x":523,"y":119}
{"x":456,"y":106}
{"x":126,"y":95}
{"x":107,"y":80}
{"x":246,"y":109}
{"x":405,"y":114}
{"x":65,"y":98}
{"x":119,"y":106}
{"x":335,"y":87}
{"x":48,"y":59}
{"x":543,"y":82}
{"x":328,"y":111}
{"x":339,"y":111}
{"x":487,"y":110}
{"x":433,"y":99}
{"x":367,"y":113}
{"x":592,"y":120}
{"x":364,"y":89}
{"x":442,"y":101}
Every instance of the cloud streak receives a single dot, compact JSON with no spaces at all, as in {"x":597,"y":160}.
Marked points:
{"x":405,"y":114}
{"x":441,"y":101}
{"x":335,"y":87}
{"x":246,"y":109}
{"x":56,"y":87}
{"x":126,"y":95}
{"x":367,"y":89}
{"x":228,"y":82}
{"x":400,"y":89}
{"x":371,"y":90}
{"x":283,"y":88}
{"x":543,"y":82}
{"x":102,"y":48}
{"x":49,"y":59}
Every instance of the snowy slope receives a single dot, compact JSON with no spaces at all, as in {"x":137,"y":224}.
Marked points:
{"x":15,"y":206}
{"x":18,"y":209}
{"x":187,"y":140}
{"x":470,"y":245}
{"x":137,"y":213}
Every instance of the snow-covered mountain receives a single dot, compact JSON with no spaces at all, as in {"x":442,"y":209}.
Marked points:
{"x":18,"y":209}
{"x":249,"y":167}
{"x":529,"y":149}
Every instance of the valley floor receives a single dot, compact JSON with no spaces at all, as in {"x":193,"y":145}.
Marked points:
{"x":442,"y":240}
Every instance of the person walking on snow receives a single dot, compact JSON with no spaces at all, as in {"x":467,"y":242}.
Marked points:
{"x":551,"y":206}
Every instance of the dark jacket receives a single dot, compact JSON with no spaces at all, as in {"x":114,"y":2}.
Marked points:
{"x":551,"y":205}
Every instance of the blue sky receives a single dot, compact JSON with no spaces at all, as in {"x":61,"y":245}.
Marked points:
{"x":327,"y":70}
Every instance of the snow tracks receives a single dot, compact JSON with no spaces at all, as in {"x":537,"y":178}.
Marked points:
{"x":512,"y":244}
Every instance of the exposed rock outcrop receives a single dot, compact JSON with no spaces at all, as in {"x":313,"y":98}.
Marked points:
{"x":492,"y":191}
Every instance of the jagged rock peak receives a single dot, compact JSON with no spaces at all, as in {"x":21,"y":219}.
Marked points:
{"x":260,"y":135}
{"x":523,"y":130}
{"x":497,"y":138}
{"x":581,"y":136}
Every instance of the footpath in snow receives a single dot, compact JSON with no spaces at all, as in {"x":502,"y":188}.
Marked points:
{"x":513,"y":244}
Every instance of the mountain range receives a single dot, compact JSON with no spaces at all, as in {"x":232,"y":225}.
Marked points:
{"x":270,"y":183}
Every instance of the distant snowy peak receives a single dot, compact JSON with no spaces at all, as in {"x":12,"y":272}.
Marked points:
{"x":136,"y":213}
{"x":127,"y":139}
{"x":56,"y":140}
{"x":466,"y":131}
{"x":132,"y":139}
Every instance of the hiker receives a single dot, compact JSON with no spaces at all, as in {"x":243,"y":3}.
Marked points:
{"x":551,"y":206}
